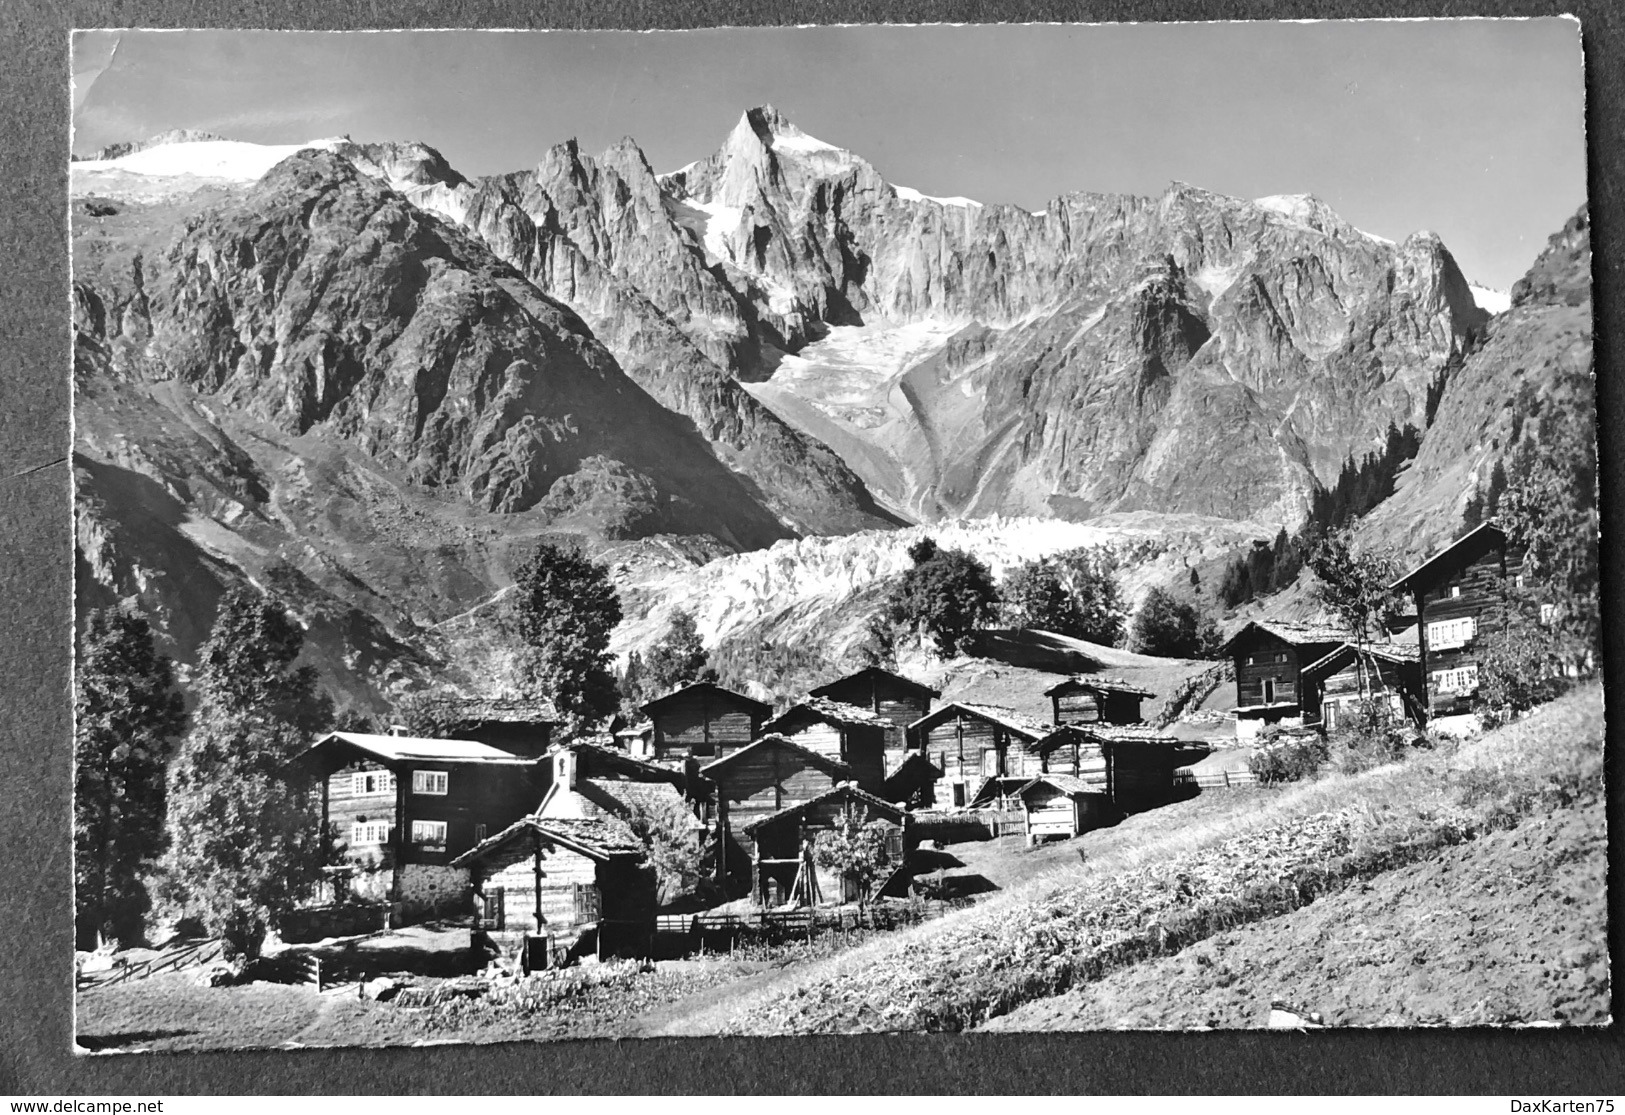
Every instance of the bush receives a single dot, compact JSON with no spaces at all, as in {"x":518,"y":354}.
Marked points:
{"x":1287,"y":756}
{"x":1370,"y":735}
{"x":1172,"y":628}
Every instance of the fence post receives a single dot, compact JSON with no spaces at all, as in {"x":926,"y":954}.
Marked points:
{"x":1226,"y":774}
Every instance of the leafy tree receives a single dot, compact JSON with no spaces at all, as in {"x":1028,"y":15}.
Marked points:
{"x":679,"y":658}
{"x":1174,"y":628}
{"x":674,"y":846}
{"x":1549,"y":510}
{"x":564,"y":609}
{"x":879,"y":646}
{"x":127,"y":716}
{"x":245,"y":841}
{"x":948,"y":595}
{"x":855,"y":849}
{"x":1072,"y":593}
{"x":1521,"y":664}
{"x":1353,"y":586}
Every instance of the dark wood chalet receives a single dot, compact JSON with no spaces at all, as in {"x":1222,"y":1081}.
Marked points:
{"x":1391,"y":672}
{"x":971,"y":744}
{"x":785,"y":867}
{"x":1270,"y":656}
{"x":397,"y":810}
{"x":1062,"y":805}
{"x":855,"y":736}
{"x":900,"y":700}
{"x":1461,"y":597}
{"x":1097,"y":700}
{"x":560,"y":879}
{"x":1132,"y":766}
{"x":771,"y":775}
{"x":519,"y":725}
{"x":703,"y":721}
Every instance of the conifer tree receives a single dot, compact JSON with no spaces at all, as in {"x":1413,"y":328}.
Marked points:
{"x":679,"y":658}
{"x":564,"y":608}
{"x":245,"y":839}
{"x":127,"y":716}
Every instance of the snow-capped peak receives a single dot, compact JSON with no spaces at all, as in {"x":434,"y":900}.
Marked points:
{"x":1489,"y":299}
{"x":908,"y":194}
{"x":228,"y":159}
{"x":1310,"y":212}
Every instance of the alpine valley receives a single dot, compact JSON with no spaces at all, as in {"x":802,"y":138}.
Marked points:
{"x":347,"y":371}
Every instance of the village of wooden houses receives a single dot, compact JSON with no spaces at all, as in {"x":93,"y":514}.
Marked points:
{"x":523,"y":851}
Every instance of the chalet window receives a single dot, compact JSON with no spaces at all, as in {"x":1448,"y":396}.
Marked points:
{"x":1455,"y":590}
{"x":1463,"y":679}
{"x":372,"y":782}
{"x":959,"y":793}
{"x":1447,"y":633}
{"x":493,"y":913}
{"x":1517,"y":582}
{"x":369,"y":832}
{"x":1548,"y":612}
{"x":431,"y":834}
{"x":428,"y":782}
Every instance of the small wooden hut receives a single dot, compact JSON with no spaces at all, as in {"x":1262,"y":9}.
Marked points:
{"x":900,"y":700}
{"x":1062,"y":805}
{"x":785,"y":866}
{"x":771,"y":775}
{"x":1270,"y":687}
{"x":1389,"y":672}
{"x":971,"y":744}
{"x":852,"y":735}
{"x":1097,"y":700}
{"x":703,"y":721}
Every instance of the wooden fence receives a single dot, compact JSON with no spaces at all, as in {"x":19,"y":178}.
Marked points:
{"x":196,"y":954}
{"x":1216,"y":780}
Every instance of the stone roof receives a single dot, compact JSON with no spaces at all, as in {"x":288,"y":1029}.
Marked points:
{"x":832,"y":765}
{"x":826,"y":709}
{"x":402,"y":749}
{"x":1104,"y":685}
{"x":1401,"y":654}
{"x":997,"y":714}
{"x":1296,"y":634}
{"x":846,"y":790}
{"x":600,"y":838}
{"x":729,"y":694}
{"x":907,"y":683}
{"x":1484,"y":537}
{"x":1069,"y":784}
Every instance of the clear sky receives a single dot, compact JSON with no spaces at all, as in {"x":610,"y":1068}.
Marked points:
{"x":1471,"y":128}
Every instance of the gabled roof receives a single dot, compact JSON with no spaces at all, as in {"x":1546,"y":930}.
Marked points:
{"x":407,"y":749}
{"x":1096,"y":685}
{"x":641,"y":728}
{"x":844,"y":790}
{"x":718,"y":766}
{"x":996,"y":786}
{"x":912,"y":761}
{"x":1069,"y":784}
{"x":994,"y":714}
{"x":728,"y":694}
{"x":1099,"y":735}
{"x":834,"y":712}
{"x":636,"y":770}
{"x":1061,"y":736}
{"x":1400,"y":654}
{"x":1468,"y":548}
{"x":1296,"y":634}
{"x":492,"y":710}
{"x":876,"y":672}
{"x":598,"y":838}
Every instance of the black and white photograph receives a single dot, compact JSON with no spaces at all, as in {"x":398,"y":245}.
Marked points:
{"x":833,"y":530}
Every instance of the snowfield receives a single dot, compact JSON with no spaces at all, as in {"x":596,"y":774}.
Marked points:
{"x":907,"y":194}
{"x":227,"y":159}
{"x":1491,"y":300}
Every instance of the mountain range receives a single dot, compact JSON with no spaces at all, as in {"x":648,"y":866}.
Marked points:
{"x":354,"y":373}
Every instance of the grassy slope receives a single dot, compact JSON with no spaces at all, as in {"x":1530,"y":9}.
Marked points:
{"x":1142,"y":894}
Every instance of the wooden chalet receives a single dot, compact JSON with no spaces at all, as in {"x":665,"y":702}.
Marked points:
{"x":773,"y":774}
{"x":397,"y":810}
{"x":1097,"y":700}
{"x":1270,"y":687}
{"x":855,"y":736}
{"x":590,"y":781}
{"x":703,"y":721}
{"x":519,"y":725}
{"x":1062,"y":805}
{"x":1461,"y":597}
{"x":1132,"y":766}
{"x":557,"y":879}
{"x":1391,"y":672}
{"x":900,"y":700}
{"x":784,"y":867}
{"x":975,"y":745}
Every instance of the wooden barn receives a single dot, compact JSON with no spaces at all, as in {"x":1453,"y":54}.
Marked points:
{"x":771,"y":775}
{"x":785,"y":867}
{"x":855,"y":736}
{"x":1062,"y":805}
{"x":1461,"y":597}
{"x":519,"y":725}
{"x":900,"y":700}
{"x":703,"y":721}
{"x":561,"y":878}
{"x":403,"y":808}
{"x":969,"y":744}
{"x":1391,"y":672}
{"x":1270,"y":687}
{"x":1131,"y":766}
{"x":1097,"y":700}
{"x":912,"y":784}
